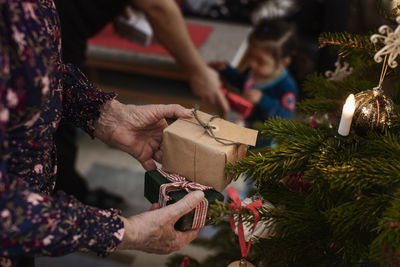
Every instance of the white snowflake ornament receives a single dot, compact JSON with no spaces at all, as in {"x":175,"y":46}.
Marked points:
{"x":391,"y":39}
{"x":341,"y":71}
{"x":273,"y":9}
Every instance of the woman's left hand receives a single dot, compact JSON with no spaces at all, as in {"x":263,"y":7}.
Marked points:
{"x":137,"y":130}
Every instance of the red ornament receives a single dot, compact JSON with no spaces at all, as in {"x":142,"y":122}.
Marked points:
{"x":185,"y":262}
{"x":296,"y":182}
{"x":313,"y":124}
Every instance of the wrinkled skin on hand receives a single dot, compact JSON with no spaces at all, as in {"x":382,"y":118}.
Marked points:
{"x":153,"y":231}
{"x":137,"y":130}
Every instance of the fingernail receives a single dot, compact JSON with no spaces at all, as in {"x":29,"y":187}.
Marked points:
{"x":189,"y":112}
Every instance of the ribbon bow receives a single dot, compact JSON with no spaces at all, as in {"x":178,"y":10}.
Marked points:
{"x":237,"y":205}
{"x":178,"y":183}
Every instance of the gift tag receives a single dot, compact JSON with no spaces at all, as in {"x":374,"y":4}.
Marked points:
{"x":241,"y":263}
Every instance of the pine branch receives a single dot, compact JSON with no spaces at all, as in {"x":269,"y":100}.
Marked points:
{"x":273,"y":165}
{"x":298,"y":143}
{"x":386,"y":246}
{"x":320,"y":105}
{"x":362,"y":213}
{"x":362,"y":164}
{"x":348,"y":210}
{"x":348,"y":42}
{"x":291,"y":252}
{"x":396,"y":97}
{"x":294,"y":228}
{"x":326,"y":96}
{"x":317,"y":86}
{"x":281,"y":195}
{"x":395,"y":120}
{"x":221,"y":212}
{"x":386,"y":145}
{"x":290,"y":131}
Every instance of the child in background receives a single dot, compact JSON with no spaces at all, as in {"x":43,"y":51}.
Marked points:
{"x":266,"y":82}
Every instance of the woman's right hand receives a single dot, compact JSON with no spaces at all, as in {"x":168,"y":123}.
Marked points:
{"x":153,"y":231}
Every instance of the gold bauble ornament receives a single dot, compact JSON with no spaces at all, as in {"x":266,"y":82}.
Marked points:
{"x":373,"y":111}
{"x":389,"y":9}
{"x":241,"y":263}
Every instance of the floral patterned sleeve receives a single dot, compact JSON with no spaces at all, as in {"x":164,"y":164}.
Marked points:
{"x":81,"y":99}
{"x":34,"y":224}
{"x":36,"y":91}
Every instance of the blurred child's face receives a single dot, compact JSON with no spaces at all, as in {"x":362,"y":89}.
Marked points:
{"x":262,"y":64}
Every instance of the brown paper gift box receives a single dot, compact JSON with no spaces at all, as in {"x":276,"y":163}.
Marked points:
{"x":189,"y":150}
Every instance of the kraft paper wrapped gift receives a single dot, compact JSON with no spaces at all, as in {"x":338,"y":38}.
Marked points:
{"x":191,"y":151}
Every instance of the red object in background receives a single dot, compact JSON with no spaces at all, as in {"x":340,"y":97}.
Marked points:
{"x":238,"y":103}
{"x":109,"y":38}
{"x":185,"y":262}
{"x":313,"y":123}
{"x":297,"y":183}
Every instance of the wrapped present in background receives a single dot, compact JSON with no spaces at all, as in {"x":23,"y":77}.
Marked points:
{"x":238,"y":103}
{"x":135,"y":28}
{"x":199,"y":148}
{"x":165,"y":188}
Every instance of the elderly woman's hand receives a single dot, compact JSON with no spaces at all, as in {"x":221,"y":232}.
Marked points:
{"x":137,"y":130}
{"x":154,"y":232}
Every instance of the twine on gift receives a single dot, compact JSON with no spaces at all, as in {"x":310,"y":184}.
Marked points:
{"x":210,"y":129}
{"x":237,"y":206}
{"x":178,"y":183}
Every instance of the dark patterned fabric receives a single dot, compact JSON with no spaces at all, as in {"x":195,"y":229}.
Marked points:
{"x":37,"y":91}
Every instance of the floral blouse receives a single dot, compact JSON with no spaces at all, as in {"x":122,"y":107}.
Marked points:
{"x":37,"y":91}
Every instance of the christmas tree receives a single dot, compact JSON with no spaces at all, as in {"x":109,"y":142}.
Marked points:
{"x":333,"y":200}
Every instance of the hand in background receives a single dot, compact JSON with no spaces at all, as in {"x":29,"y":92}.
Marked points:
{"x":175,"y":37}
{"x":218,"y":65}
{"x":127,"y":12}
{"x":153,"y":231}
{"x":137,"y":130}
{"x":206,"y":84}
{"x":253,"y":95}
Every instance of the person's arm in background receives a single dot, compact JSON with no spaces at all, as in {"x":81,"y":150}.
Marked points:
{"x":229,"y":74}
{"x":170,"y":29}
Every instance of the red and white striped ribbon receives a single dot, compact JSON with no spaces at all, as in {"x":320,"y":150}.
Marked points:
{"x":177,"y":183}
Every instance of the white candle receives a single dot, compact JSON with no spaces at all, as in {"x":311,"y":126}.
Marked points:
{"x":347,"y":116}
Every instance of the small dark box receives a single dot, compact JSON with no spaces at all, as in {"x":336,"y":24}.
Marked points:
{"x":152,"y":182}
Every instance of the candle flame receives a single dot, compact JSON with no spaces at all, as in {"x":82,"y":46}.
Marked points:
{"x":350,"y":105}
